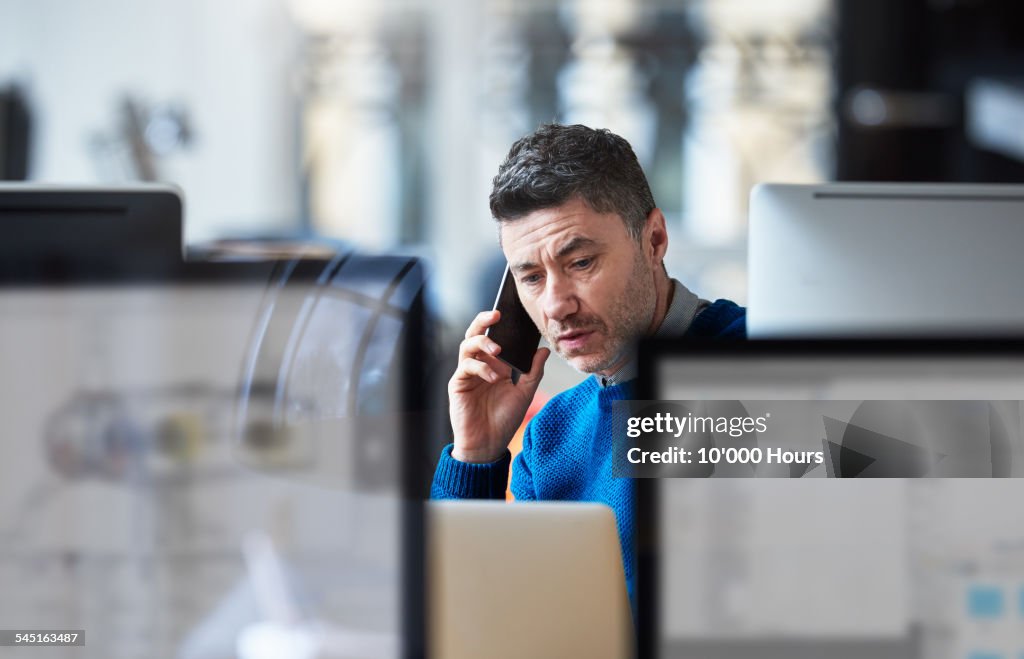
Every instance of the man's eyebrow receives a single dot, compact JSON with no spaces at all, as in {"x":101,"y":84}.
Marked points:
{"x":523,"y":266}
{"x":575,"y":244}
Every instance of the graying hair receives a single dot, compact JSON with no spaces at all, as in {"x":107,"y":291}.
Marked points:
{"x":557,"y":163}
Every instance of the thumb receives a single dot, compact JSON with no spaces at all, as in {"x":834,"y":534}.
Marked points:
{"x":533,"y":378}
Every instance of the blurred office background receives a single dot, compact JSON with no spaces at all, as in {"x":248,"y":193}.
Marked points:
{"x":378,"y":126}
{"x":381,"y":124}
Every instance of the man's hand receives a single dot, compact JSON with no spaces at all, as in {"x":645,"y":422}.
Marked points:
{"x":485,"y":407}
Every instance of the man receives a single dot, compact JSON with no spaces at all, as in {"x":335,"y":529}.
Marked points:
{"x":578,"y":225}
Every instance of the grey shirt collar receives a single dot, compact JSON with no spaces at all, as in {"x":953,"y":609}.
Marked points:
{"x":683,"y":308}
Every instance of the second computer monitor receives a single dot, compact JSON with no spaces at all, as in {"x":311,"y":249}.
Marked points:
{"x":847,"y":259}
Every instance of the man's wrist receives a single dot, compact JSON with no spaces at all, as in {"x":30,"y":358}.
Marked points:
{"x":476,"y":457}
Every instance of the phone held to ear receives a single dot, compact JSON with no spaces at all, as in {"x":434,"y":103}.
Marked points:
{"x":514,"y":331}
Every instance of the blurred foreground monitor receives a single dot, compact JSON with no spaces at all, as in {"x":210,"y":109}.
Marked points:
{"x":776,"y":560}
{"x":203,"y":459}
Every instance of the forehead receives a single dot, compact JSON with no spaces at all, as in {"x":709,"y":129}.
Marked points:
{"x":545,"y":231}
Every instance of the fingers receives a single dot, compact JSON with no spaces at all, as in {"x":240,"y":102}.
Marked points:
{"x":477,"y":360}
{"x":483,"y":320}
{"x":478,"y":357}
{"x":536,"y":367}
{"x":478,"y":345}
{"x":477,"y":368}
{"x":503,"y":370}
{"x":482,"y":348}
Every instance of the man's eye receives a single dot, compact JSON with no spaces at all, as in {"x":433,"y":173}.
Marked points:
{"x":530,"y":279}
{"x":582,"y":264}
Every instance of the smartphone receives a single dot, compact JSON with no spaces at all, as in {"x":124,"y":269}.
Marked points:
{"x":514,"y":331}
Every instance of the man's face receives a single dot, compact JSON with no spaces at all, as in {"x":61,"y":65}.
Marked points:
{"x":586,"y":283}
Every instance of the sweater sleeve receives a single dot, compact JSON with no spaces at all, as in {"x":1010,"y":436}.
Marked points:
{"x":454,"y":479}
{"x":522,"y":476}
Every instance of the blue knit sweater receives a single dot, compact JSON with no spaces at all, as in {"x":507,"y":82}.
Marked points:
{"x":567,"y":446}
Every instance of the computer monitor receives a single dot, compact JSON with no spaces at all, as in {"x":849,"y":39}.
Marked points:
{"x":204,"y":457}
{"x":55,"y":234}
{"x":783,"y":564}
{"x":854,"y":259}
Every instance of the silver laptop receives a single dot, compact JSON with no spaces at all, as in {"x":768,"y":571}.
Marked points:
{"x":849,"y":259}
{"x":525,"y":580}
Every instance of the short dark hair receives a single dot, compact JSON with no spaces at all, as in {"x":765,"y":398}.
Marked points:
{"x":557,"y":163}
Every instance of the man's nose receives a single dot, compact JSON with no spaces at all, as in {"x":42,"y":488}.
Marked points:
{"x":560,"y":299}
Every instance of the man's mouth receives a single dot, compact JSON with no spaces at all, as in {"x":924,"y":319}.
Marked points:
{"x":574,"y":340}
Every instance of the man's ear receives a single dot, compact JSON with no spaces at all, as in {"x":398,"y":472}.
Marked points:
{"x":655,"y":236}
